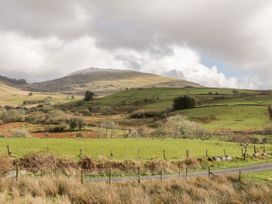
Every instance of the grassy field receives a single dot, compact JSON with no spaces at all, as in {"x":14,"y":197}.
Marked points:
{"x":231,"y":117}
{"x":259,"y":176}
{"x":13,"y":96}
{"x":123,"y":148}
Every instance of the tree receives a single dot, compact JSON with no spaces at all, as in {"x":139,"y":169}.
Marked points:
{"x":183,"y":102}
{"x":76,"y":122}
{"x":235,"y":92}
{"x":88,"y":95}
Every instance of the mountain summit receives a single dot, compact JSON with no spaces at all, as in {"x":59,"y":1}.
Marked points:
{"x":106,"y":81}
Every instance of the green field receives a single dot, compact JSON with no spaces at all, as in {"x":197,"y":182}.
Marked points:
{"x":230,"y":117}
{"x":259,"y":176}
{"x":123,"y":148}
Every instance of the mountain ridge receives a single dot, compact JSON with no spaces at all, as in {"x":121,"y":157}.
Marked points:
{"x":106,"y":81}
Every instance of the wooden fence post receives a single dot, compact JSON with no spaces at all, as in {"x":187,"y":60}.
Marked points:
{"x":209,"y":171}
{"x":186,"y":172}
{"x":17,"y":172}
{"x":164,"y":155}
{"x":187,"y":154}
{"x":8,"y":151}
{"x":110,"y":176}
{"x":254,"y":147}
{"x":240,"y":177}
{"x":82,"y":176}
{"x":139,"y":175}
{"x":264,"y":150}
{"x":81,"y":154}
{"x":161,"y":174}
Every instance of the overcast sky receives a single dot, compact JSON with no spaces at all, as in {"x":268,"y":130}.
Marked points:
{"x":225,"y":43}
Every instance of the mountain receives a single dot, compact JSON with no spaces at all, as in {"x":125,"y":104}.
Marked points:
{"x":12,"y":82}
{"x":106,"y":81}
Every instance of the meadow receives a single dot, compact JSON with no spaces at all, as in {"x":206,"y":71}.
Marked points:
{"x":122,"y":149}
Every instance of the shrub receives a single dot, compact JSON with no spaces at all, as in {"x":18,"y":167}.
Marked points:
{"x":57,"y":128}
{"x":183,"y":102}
{"x":147,"y":114}
{"x":76,"y":122}
{"x":36,"y":117}
{"x":12,"y":115}
{"x":88,"y":96}
{"x":20,"y":132}
{"x":179,"y":126}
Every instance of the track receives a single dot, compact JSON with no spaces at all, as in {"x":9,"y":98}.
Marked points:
{"x":246,"y":169}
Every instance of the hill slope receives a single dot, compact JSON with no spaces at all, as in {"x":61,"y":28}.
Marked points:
{"x":12,"y":82}
{"x":106,"y":81}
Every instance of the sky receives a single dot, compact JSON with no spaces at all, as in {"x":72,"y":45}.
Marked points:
{"x":222,"y":43}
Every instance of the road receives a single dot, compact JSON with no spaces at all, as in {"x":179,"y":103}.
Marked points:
{"x":246,"y":169}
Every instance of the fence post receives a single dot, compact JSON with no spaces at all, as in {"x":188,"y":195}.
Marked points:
{"x":111,"y":155}
{"x":139,"y":156}
{"x":161,"y":174}
{"x":240,"y":177}
{"x":209,"y":171}
{"x":8,"y":150}
{"x":17,"y":172}
{"x":254,"y":147}
{"x":139,"y":175}
{"x":82,"y":176}
{"x":186,"y":172}
{"x":187,"y":153}
{"x":110,"y":176}
{"x":164,"y":155}
{"x":81,"y":153}
{"x":264,"y":150}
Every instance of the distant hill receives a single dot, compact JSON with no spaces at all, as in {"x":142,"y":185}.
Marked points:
{"x":106,"y":81}
{"x":13,"y":82}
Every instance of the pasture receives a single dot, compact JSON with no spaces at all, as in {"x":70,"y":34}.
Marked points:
{"x":122,"y":149}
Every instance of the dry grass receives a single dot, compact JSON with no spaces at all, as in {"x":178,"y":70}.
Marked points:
{"x":69,"y":190}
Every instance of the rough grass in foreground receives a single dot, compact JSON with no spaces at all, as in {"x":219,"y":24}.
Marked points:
{"x":69,"y":190}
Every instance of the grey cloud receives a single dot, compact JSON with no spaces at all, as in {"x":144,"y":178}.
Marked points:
{"x":235,"y":32}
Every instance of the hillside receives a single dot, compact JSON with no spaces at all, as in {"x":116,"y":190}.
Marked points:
{"x":12,"y":82}
{"x":13,"y":96}
{"x":106,"y":81}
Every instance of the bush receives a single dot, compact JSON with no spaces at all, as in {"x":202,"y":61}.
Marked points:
{"x":147,"y":114}
{"x":183,"y":102}
{"x":20,"y":133}
{"x":179,"y":126}
{"x":36,"y":117}
{"x":88,"y":96}
{"x":12,"y":115}
{"x":76,"y":122}
{"x":57,"y":128}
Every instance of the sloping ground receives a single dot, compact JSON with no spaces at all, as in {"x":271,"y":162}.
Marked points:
{"x":14,"y":96}
{"x":106,"y":81}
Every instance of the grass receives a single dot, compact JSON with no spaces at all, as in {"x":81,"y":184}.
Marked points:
{"x":123,"y":148}
{"x":13,"y":96}
{"x":197,"y":190}
{"x":259,"y":176}
{"x":231,"y":117}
